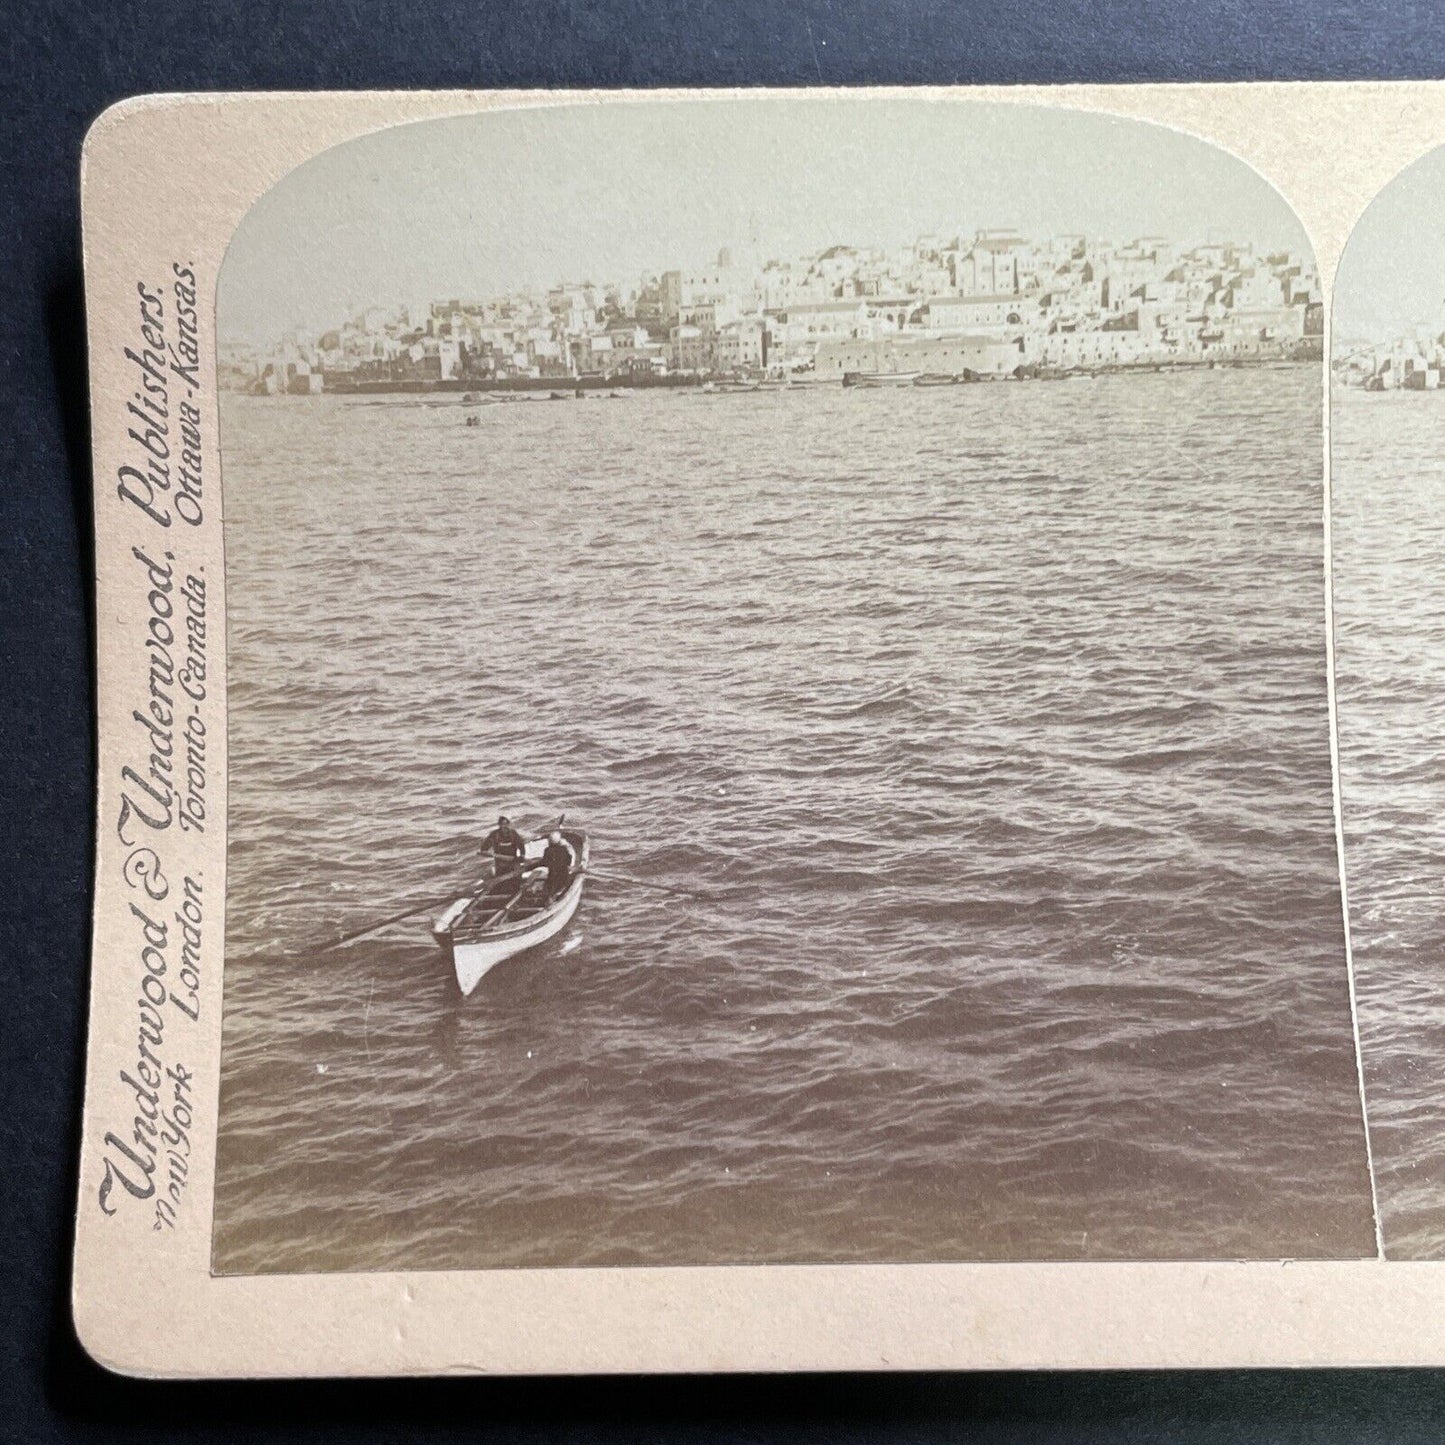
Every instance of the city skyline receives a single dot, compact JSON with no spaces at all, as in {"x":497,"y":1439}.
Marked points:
{"x":607,"y":194}
{"x":996,"y":304}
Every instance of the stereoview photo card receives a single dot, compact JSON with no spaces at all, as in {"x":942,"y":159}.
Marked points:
{"x":767,"y":731}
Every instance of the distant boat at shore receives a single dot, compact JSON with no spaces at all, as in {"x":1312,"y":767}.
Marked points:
{"x":880,"y":378}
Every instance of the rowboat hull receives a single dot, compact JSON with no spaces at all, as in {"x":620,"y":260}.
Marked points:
{"x":473,"y":961}
{"x":474,"y":957}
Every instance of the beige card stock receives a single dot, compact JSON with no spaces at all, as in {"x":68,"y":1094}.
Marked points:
{"x":942,"y":587}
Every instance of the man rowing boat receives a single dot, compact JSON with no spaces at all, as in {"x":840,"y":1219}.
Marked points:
{"x":507,"y":847}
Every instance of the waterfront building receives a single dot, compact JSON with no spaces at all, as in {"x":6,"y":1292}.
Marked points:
{"x":594,"y":354}
{"x":1090,"y":350}
{"x":800,"y":328}
{"x":985,"y":356}
{"x":669,"y":289}
{"x":627,"y":339}
{"x":691,"y":349}
{"x":742,"y":346}
{"x":1008,"y":315}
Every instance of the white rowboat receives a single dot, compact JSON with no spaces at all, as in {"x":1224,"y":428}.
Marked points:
{"x":479,"y":932}
{"x":880,"y":378}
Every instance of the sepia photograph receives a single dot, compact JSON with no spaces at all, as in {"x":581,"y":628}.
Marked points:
{"x":1388,"y":478}
{"x":778,"y":706}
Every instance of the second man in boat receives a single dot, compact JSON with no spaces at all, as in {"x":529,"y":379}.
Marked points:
{"x":559,"y":860}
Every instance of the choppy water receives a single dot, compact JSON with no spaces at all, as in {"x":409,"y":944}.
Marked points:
{"x":1388,"y":464}
{"x":993,"y":721}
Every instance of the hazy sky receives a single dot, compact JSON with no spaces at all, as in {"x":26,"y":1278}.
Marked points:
{"x":1392,"y":274}
{"x":482,"y":204}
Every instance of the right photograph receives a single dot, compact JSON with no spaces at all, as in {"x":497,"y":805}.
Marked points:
{"x":1388,"y":547}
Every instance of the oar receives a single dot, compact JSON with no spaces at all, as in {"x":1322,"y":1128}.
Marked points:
{"x":377,"y":927}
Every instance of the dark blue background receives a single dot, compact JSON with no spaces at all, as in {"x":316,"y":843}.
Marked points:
{"x":65,"y":64}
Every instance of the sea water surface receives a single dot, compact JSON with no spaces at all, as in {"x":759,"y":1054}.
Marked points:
{"x":1388,"y":476}
{"x":989,"y":724}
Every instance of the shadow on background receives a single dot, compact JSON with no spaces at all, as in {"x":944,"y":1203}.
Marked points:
{"x":1357,"y":1406}
{"x":64,"y":315}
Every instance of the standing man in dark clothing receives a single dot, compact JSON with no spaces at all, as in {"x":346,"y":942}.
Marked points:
{"x":507,"y":847}
{"x":559,"y":861}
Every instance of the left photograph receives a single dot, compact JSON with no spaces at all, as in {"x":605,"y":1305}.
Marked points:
{"x":777,"y":699}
